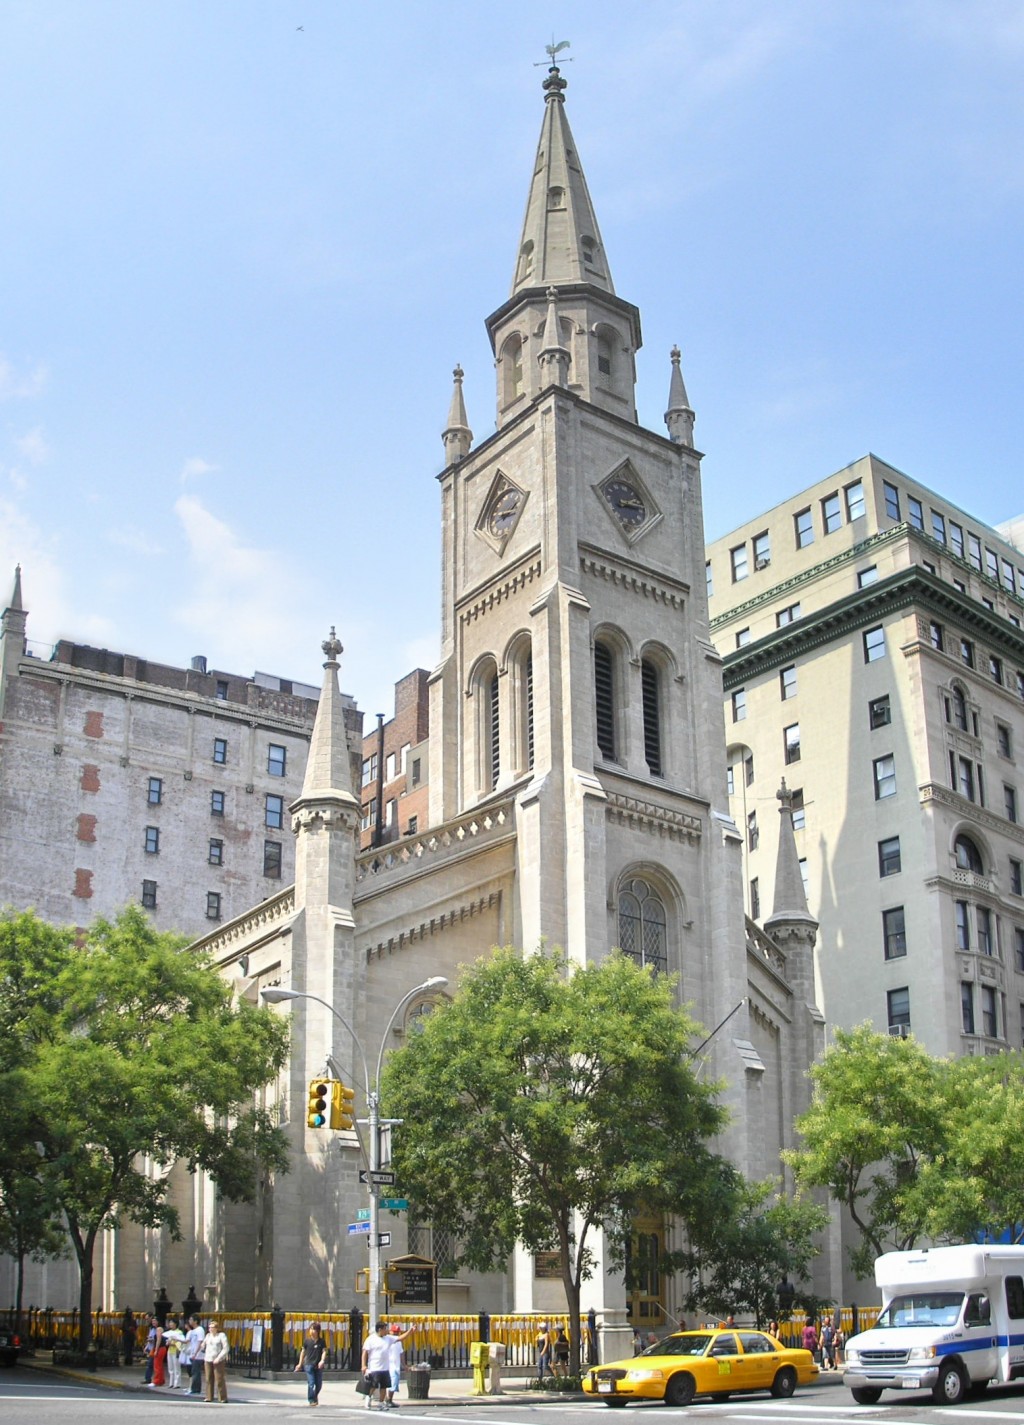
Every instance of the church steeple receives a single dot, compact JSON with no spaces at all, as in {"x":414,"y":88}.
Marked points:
{"x":588,"y":345}
{"x":457,"y":436}
{"x":679,"y":416}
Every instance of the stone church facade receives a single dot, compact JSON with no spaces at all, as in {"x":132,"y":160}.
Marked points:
{"x":577,"y":792}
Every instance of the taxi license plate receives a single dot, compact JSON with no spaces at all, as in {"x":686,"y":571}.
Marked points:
{"x":606,"y":1387}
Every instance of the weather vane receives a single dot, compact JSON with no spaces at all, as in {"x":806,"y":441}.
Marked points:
{"x":552,"y":50}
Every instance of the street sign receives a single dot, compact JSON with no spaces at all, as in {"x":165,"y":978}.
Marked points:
{"x":370,"y":1175}
{"x":384,"y":1239}
{"x":362,"y":1214}
{"x":355,"y":1228}
{"x":395,"y":1204}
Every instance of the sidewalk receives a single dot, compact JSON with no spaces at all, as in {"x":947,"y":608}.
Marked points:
{"x":339,"y":1388}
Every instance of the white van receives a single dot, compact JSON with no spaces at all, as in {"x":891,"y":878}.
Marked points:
{"x":952,"y":1320}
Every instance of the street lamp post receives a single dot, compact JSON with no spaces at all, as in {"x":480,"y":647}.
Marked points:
{"x":372,"y":1091}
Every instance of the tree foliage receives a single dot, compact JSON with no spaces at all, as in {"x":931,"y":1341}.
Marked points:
{"x":128,"y":1056}
{"x":913,"y":1146}
{"x":544,"y":1102}
{"x":738,"y":1262}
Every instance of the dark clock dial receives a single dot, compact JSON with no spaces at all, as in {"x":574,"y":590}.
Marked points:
{"x":626,"y":503}
{"x":503,"y":511}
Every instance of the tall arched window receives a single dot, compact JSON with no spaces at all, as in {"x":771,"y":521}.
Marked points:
{"x":959,"y":709}
{"x":604,"y":698}
{"x":520,"y":738}
{"x":643,"y":928}
{"x":604,"y":355}
{"x":486,"y":722}
{"x":493,"y":731}
{"x":512,"y":369}
{"x":968,"y":857}
{"x":650,"y":685}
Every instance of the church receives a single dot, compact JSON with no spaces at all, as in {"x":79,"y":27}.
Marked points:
{"x":577,"y":797}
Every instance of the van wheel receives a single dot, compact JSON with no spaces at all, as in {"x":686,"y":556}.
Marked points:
{"x":866,"y":1394}
{"x":951,"y":1386}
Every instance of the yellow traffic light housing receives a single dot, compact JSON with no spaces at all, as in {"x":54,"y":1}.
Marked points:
{"x":343,"y":1106}
{"x":316,"y":1113}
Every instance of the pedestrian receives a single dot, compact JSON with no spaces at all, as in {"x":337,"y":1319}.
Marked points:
{"x":839,"y":1343}
{"x":215,"y":1367}
{"x":828,"y":1346}
{"x":174,"y":1340}
{"x":375,"y":1365}
{"x":129,"y":1329}
{"x":149,"y":1350}
{"x":543,"y":1351}
{"x":396,"y":1350}
{"x":773,"y":1329}
{"x":561,"y":1353}
{"x":159,"y":1359}
{"x":311,"y":1360}
{"x":195,"y":1349}
{"x":809,"y":1337}
{"x":638,"y":1341}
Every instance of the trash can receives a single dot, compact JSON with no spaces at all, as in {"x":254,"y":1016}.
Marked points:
{"x":417,"y":1382}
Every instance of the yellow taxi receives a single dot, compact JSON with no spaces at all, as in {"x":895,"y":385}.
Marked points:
{"x":711,"y":1362}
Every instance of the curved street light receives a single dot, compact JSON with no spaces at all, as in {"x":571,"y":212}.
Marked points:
{"x":372,"y":1090}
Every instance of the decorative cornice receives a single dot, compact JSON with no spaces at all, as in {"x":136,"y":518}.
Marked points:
{"x":434,"y":926}
{"x":763,"y":947}
{"x":635,"y":578}
{"x":269,"y":916}
{"x":488,"y":823}
{"x":321,"y":814}
{"x":499,"y":593}
{"x":643,"y":815}
{"x":970,"y":811}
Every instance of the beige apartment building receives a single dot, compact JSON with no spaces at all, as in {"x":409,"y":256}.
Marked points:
{"x":874,"y":658}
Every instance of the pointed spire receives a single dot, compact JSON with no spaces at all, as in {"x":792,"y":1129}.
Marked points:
{"x":790,"y":897}
{"x":560,"y":241}
{"x":457,"y":436}
{"x":328,"y":767}
{"x":16,"y":606}
{"x":554,"y":358}
{"x":679,"y":416}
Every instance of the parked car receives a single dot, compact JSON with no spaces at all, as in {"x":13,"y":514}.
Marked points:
{"x":10,"y":1345}
{"x":691,"y":1363}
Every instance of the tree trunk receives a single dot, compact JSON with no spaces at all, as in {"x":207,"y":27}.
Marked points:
{"x":19,"y":1290}
{"x":84,"y":1249}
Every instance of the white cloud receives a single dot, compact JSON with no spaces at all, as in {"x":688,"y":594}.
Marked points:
{"x":21,"y":386}
{"x":195,"y":467}
{"x":135,"y":540}
{"x":33,"y":446}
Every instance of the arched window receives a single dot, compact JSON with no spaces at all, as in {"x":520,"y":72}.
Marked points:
{"x":968,"y":857}
{"x":493,"y":731}
{"x":643,"y":928}
{"x":512,"y":369}
{"x":604,"y":354}
{"x":604,"y":698}
{"x":650,"y":685}
{"x":959,"y":705}
{"x":520,"y":740}
{"x":486,"y":723}
{"x":525,"y":260}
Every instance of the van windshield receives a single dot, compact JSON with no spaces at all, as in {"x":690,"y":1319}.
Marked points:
{"x":923,"y":1308}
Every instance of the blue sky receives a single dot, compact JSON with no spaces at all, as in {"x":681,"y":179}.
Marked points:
{"x":240,"y":258}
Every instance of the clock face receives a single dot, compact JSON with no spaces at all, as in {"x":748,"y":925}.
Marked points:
{"x":626,"y":503}
{"x":504,"y":509}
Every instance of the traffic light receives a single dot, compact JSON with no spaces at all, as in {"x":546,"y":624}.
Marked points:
{"x":316,"y":1113}
{"x":343,"y":1107}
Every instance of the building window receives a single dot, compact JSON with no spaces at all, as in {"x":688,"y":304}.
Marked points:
{"x":748,"y":767}
{"x":960,"y":586}
{"x":938,"y":527}
{"x":416,"y":771}
{"x":1019,"y":680}
{"x":898,"y":1007}
{"x":369,"y":816}
{"x":739,"y":704}
{"x":787,"y":615}
{"x":831,"y":514}
{"x":213,"y":905}
{"x":874,"y":644}
{"x":216,"y":803}
{"x":915,"y":512}
{"x":730,"y":780}
{"x":867,"y":577}
{"x":791,"y":743}
{"x":965,"y":778}
{"x":963,"y":926}
{"x":215,"y":855}
{"x":854,"y":500}
{"x":738,"y":560}
{"x":991,"y":564}
{"x":1003,"y":740}
{"x":974,"y":550}
{"x":956,"y":539}
{"x":742,"y":637}
{"x":968,"y":857}
{"x":958,"y":708}
{"x":709,"y":580}
{"x":995,"y":668}
{"x":369,"y":770}
{"x":604,"y":698}
{"x":1008,"y":582}
{"x":492,"y":731}
{"x":787,"y":680}
{"x":1016,"y":877}
{"x":273,"y":813}
{"x":804,"y":524}
{"x":895,"y":932}
{"x":149,"y":895}
{"x":152,"y":840}
{"x":413,"y":826}
{"x":892,"y":500}
{"x":755,"y":900}
{"x":885,"y":777}
{"x":1018,"y":947}
{"x":967,"y":653}
{"x":935,"y":635}
{"x":220,"y":750}
{"x":222,"y":690}
{"x":155,"y":794}
{"x":642,"y":925}
{"x":272,"y":859}
{"x":983,"y":924}
{"x":762,"y":550}
{"x":797,"y":803}
{"x":1010,"y":802}
{"x":753,"y":835}
{"x":967,"y":1006}
{"x":803,"y":876}
{"x":989,"y":1013}
{"x":276,"y":759}
{"x":879,"y":712}
{"x":890,"y":861}
{"x":651,"y":700}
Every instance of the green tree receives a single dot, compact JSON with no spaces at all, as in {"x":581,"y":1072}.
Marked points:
{"x":142,"y":1056}
{"x":544,"y":1101}
{"x":738,"y":1261}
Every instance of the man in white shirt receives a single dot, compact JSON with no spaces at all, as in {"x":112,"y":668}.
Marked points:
{"x":194,"y":1349}
{"x":377,"y":1365}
